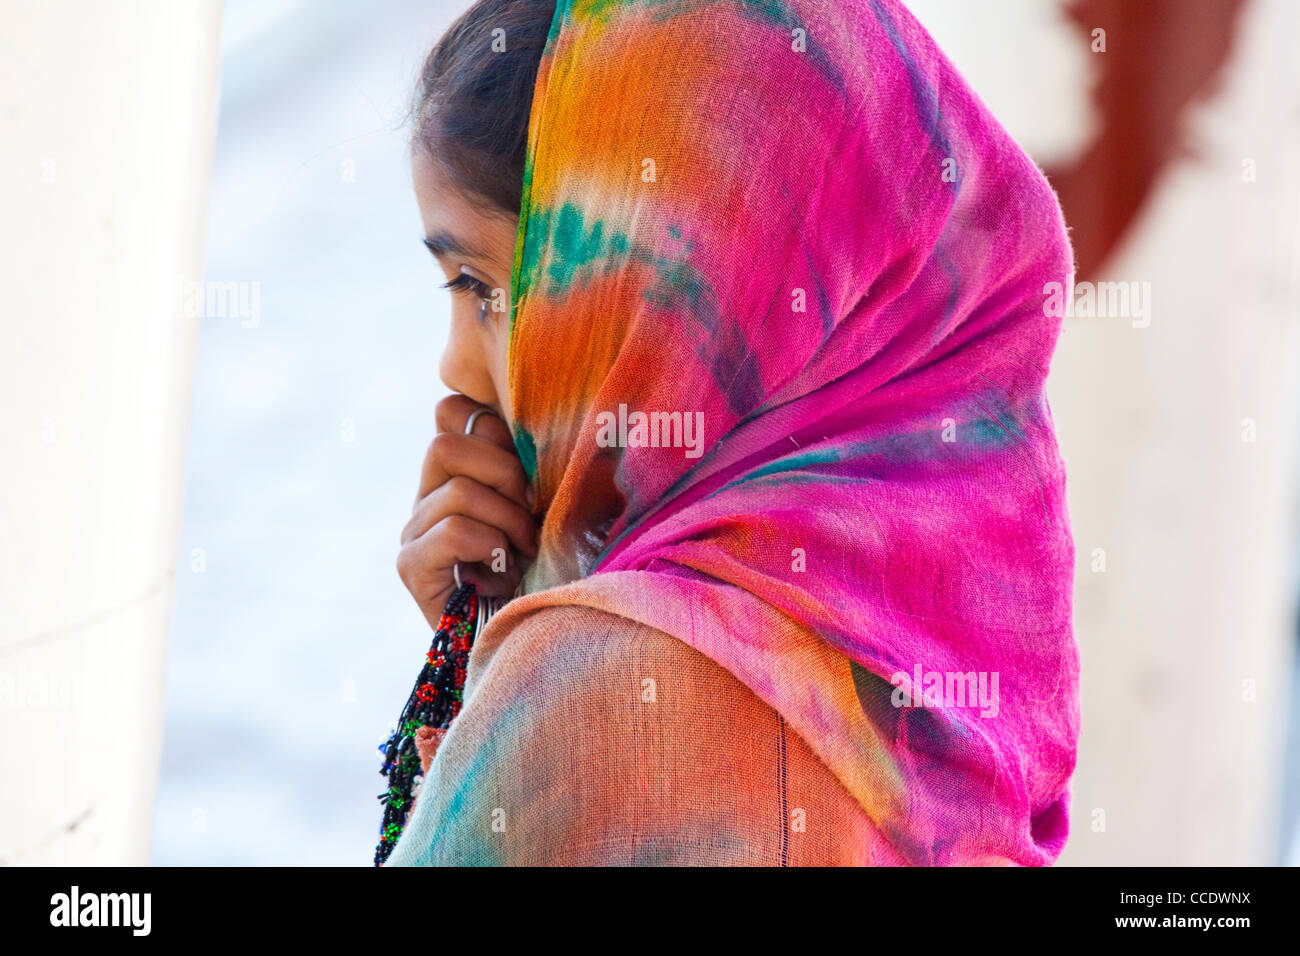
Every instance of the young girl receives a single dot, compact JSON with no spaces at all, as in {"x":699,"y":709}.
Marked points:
{"x":832,"y":623}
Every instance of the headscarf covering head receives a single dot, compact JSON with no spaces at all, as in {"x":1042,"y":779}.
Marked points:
{"x":781,"y":319}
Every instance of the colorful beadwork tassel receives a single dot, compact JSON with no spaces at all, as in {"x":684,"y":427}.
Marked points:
{"x":434,"y":702}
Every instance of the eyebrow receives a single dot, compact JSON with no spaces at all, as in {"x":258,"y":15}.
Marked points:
{"x":444,"y":243}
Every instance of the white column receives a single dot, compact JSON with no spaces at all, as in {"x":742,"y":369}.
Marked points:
{"x":107,"y":120}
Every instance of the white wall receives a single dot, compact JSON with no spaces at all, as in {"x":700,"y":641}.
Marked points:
{"x":108,"y":117}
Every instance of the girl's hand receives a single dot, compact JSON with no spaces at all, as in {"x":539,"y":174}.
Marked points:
{"x":472,"y":508}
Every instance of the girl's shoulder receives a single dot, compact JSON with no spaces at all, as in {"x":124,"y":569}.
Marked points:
{"x":587,"y":737}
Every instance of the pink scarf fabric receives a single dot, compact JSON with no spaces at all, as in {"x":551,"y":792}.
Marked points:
{"x":790,"y":236}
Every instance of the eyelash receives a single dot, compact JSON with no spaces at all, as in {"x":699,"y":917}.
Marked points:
{"x":467,"y":283}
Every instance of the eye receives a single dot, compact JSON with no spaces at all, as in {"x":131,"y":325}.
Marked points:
{"x":467,"y":283}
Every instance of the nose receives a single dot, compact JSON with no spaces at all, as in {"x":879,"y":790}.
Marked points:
{"x":463,"y":368}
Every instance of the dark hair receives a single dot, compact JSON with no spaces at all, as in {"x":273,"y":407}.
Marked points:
{"x":473,"y":101}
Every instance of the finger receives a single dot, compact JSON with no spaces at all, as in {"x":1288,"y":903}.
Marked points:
{"x":493,"y":583}
{"x":474,"y":457}
{"x":425,"y":565}
{"x":465,"y":496}
{"x":487,"y":582}
{"x":433,"y":601}
{"x":453,"y":412}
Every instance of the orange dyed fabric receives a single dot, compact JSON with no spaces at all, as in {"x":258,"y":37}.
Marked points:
{"x":782,"y":317}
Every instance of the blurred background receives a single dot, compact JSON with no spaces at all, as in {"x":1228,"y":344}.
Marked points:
{"x":293,"y":643}
{"x":271,"y":137}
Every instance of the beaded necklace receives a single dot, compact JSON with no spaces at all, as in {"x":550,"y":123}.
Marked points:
{"x":436,"y":698}
{"x":434,"y":702}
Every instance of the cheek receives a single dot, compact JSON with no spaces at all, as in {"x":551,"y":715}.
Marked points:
{"x":499,"y":345}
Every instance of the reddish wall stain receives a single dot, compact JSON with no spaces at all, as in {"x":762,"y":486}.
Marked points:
{"x":1161,"y":57}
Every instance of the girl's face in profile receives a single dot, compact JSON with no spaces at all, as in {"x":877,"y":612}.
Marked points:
{"x":475,"y":249}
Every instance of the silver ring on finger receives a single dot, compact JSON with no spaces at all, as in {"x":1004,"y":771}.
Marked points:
{"x":473,"y":417}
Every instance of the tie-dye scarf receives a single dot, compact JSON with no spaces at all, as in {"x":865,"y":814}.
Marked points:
{"x":792,"y":224}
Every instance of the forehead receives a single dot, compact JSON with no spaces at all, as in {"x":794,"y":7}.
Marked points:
{"x":433,"y":190}
{"x":444,"y":209}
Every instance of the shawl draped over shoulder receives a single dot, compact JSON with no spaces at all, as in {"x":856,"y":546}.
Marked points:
{"x":781,"y":316}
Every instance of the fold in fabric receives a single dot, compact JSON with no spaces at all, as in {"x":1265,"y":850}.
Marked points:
{"x":790,"y":236}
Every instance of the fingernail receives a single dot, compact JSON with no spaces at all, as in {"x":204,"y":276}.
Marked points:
{"x":529,"y":496}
